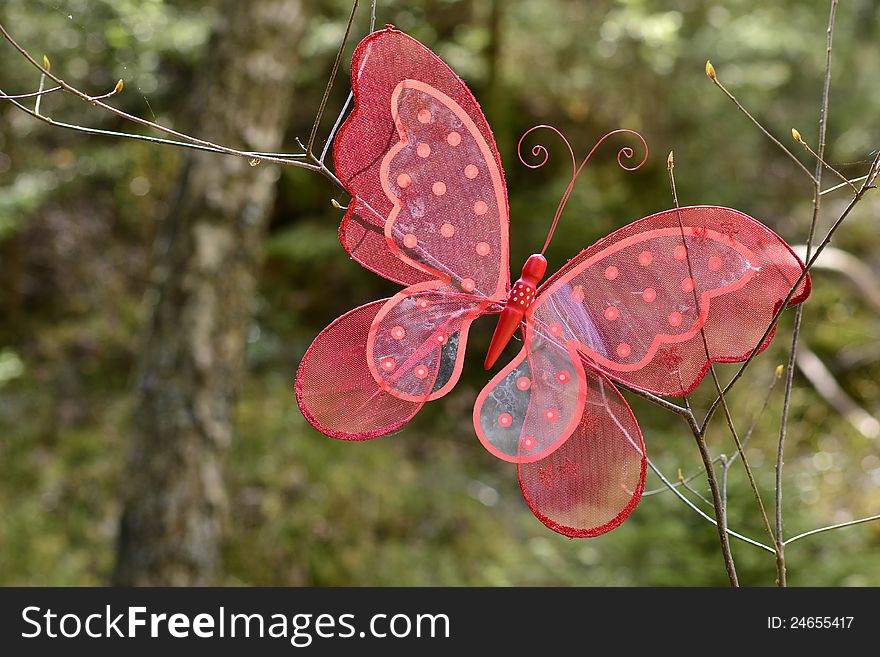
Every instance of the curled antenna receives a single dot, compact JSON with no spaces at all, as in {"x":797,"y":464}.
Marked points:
{"x":624,"y":155}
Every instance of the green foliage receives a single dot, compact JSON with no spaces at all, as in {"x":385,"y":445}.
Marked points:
{"x":428,"y":506}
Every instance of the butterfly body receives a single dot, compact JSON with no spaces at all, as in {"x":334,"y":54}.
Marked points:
{"x":522,"y":294}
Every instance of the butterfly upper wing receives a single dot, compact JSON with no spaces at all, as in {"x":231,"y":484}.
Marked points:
{"x":578,"y":448}
{"x":428,"y":193}
{"x":428,"y":209}
{"x":635,"y":303}
{"x":631,"y":306}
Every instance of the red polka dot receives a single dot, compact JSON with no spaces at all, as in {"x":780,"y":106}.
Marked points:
{"x":688,"y":285}
{"x":441,"y":338}
{"x":471,"y":172}
{"x":523,"y":383}
{"x":551,"y":415}
{"x":645,"y":258}
{"x":563,"y":376}
{"x":468,"y":284}
{"x":404,"y":181}
{"x":675,"y":319}
{"x":453,"y":138}
{"x":423,"y":150}
{"x":421,"y":371}
{"x":424,"y":116}
{"x":577,"y":295}
{"x":398,"y":333}
{"x":387,"y":364}
{"x":480,"y":208}
{"x":447,"y":230}
{"x":410,"y":241}
{"x":505,"y":420}
{"x":623,"y":350}
{"x":528,"y":442}
{"x":555,"y":329}
{"x":680,"y":252}
{"x":715,"y":263}
{"x":611,"y":272}
{"x":483,"y":248}
{"x":611,"y":313}
{"x":439,"y":188}
{"x":649,"y":294}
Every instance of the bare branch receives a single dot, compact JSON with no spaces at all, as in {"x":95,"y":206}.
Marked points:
{"x":873,"y":172}
{"x":710,"y":72}
{"x":830,"y":527}
{"x":726,"y":462}
{"x":348,"y":100}
{"x":849,"y":183}
{"x":33,"y":94}
{"x":302,"y":160}
{"x":800,"y":140}
{"x":703,"y":514}
{"x":720,"y":510}
{"x":799,"y":313}
{"x":323,"y":106}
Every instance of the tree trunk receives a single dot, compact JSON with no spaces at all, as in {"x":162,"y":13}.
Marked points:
{"x":207,"y":258}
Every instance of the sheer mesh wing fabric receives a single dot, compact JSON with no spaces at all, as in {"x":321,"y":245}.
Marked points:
{"x":635,"y":303}
{"x":592,"y":482}
{"x":421,"y":164}
{"x":416,"y":344}
{"x":579,"y":452}
{"x":336,"y":390}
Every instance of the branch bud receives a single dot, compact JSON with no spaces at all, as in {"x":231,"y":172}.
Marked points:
{"x":779,"y":370}
{"x":336,"y":204}
{"x":670,"y":161}
{"x":710,"y":71}
{"x":46,"y":63}
{"x":119,"y":86}
{"x":797,"y":136}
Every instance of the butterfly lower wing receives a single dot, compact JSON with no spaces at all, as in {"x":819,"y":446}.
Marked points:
{"x":428,"y":193}
{"x":595,"y":478}
{"x":336,"y":390}
{"x":416,"y":343}
{"x":578,"y":448}
{"x":639,"y":302}
{"x":534,"y":404}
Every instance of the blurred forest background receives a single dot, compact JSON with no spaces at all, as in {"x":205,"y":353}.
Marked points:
{"x":79,"y":216}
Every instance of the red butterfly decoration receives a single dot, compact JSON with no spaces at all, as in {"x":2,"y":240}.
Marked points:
{"x":429,"y":211}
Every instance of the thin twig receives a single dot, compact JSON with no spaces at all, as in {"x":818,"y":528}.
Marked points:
{"x":830,"y":527}
{"x":348,"y":100}
{"x":684,"y":483}
{"x":850,"y":182}
{"x":33,"y":94}
{"x":41,"y":87}
{"x":800,"y":140}
{"x":183,"y":140}
{"x":720,"y":511}
{"x":725,"y":461}
{"x":867,"y":185}
{"x":323,"y":106}
{"x":659,"y":401}
{"x":799,"y":313}
{"x":710,"y":71}
{"x":703,"y":514}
